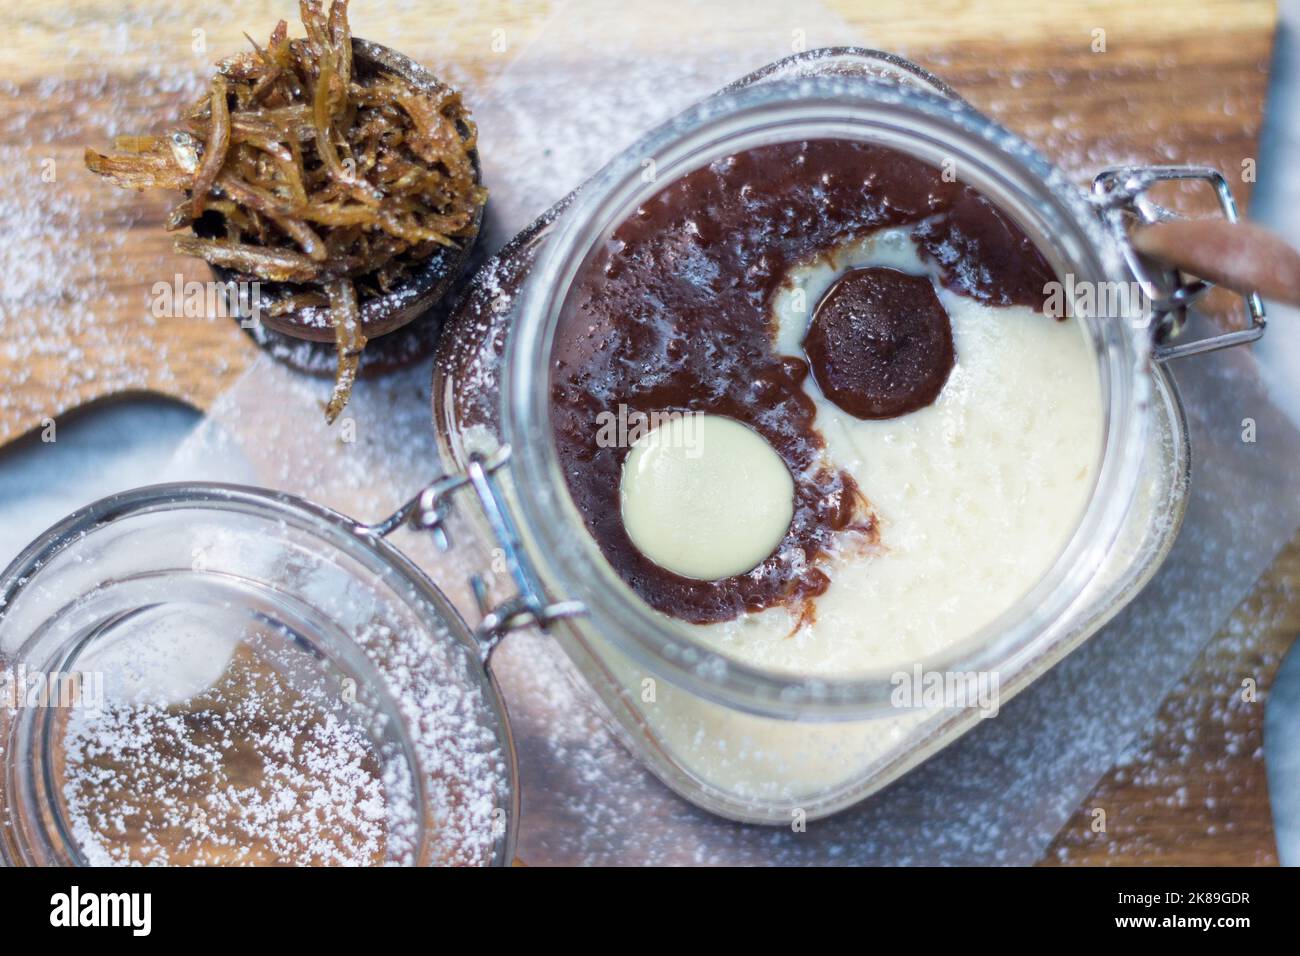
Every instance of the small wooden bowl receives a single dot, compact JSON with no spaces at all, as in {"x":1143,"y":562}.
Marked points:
{"x":402,"y":326}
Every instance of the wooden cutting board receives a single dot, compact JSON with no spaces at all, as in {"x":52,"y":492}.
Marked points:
{"x":1089,"y":83}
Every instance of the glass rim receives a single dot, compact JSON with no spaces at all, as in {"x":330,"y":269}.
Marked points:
{"x":548,"y":517}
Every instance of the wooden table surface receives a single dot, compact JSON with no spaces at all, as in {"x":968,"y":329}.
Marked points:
{"x":1181,"y":81}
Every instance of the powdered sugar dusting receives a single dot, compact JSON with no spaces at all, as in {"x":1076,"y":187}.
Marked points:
{"x":248,"y":773}
{"x":266,"y":431}
{"x":67,"y":237}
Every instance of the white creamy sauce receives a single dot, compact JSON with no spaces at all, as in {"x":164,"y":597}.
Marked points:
{"x":976,"y":494}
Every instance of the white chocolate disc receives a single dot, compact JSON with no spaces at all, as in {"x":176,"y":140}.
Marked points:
{"x":705,"y":497}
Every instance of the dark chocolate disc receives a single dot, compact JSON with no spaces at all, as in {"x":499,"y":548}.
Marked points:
{"x":880,"y":343}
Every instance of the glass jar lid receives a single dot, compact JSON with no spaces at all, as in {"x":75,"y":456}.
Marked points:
{"x":211,"y":674}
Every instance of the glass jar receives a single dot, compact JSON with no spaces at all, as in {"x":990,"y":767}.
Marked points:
{"x":199,"y":674}
{"x":751,"y":743}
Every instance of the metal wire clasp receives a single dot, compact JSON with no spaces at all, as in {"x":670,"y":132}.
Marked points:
{"x":428,"y":511}
{"x":1120,"y":195}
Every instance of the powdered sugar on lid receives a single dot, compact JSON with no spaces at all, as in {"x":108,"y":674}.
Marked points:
{"x":240,"y":775}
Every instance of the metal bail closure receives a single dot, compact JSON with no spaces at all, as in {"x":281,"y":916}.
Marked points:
{"x":428,"y":510}
{"x":1120,"y":193}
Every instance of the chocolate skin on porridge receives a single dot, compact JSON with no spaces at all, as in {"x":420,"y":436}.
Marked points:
{"x":673,"y":313}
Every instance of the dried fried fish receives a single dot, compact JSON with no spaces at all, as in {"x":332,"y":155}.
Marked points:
{"x":298,"y":170}
{"x":348,"y":341}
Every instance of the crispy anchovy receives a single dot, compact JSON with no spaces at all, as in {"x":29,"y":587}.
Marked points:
{"x":411,"y":232}
{"x":272,"y":123}
{"x":273,"y":265}
{"x":276,"y":150}
{"x":143,"y":171}
{"x":341,"y":39}
{"x":313,"y":20}
{"x":138,"y":144}
{"x":338,"y":214}
{"x":337,"y":184}
{"x":349,"y":341}
{"x":329,"y":89}
{"x":281,"y":213}
{"x":214,"y":151}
